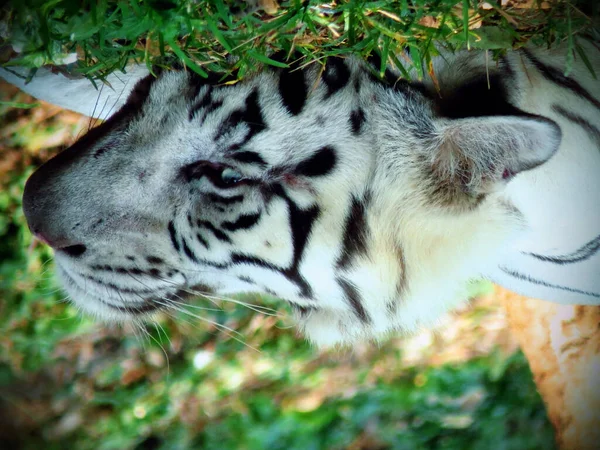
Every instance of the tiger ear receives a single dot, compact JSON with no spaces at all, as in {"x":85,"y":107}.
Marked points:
{"x":475,"y":155}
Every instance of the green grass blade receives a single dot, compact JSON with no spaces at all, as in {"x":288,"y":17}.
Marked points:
{"x":18,"y":105}
{"x":465,"y":12}
{"x":585,"y":59}
{"x":220,"y":37}
{"x":265,"y":59}
{"x":186,"y":59}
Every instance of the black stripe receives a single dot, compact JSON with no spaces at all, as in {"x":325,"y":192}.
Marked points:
{"x":291,"y":274}
{"x":303,"y":311}
{"x":218,"y":233}
{"x":355,"y":233}
{"x":335,"y":76}
{"x":293,"y":89}
{"x":125,"y":290}
{"x":357,"y":119}
{"x":155,"y":260}
{"x":587,"y":126}
{"x":202,"y":103}
{"x":216,"y":265}
{"x":251,"y":115}
{"x":103,"y":268}
{"x":388,"y":77}
{"x":249,"y":157}
{"x":392,"y":305}
{"x":269,"y":291}
{"x":353,"y":298}
{"x":216,"y":198}
{"x":211,"y":108}
{"x":506,"y":68}
{"x":202,"y":241}
{"x":239,"y":258}
{"x":137,"y":309}
{"x":195,"y":84}
{"x":319,"y":164}
{"x":523,"y":277}
{"x":246,"y":279}
{"x":141,"y":93}
{"x":121,"y":270}
{"x":556,"y":76}
{"x":187,"y":251}
{"x":581,"y":254}
{"x":173,"y":235}
{"x":301,"y":223}
{"x":242,"y":223}
{"x":207,"y":104}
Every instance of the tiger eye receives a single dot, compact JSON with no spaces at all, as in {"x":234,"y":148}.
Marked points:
{"x":230,"y":176}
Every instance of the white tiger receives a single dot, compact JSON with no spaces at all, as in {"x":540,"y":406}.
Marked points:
{"x":366,"y":204}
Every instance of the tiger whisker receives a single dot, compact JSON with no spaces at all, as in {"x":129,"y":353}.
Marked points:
{"x":159,"y":326}
{"x":170,"y":304}
{"x":118,"y":97}
{"x":135,"y":329}
{"x":221,"y":327}
{"x":91,"y":123}
{"x":100,"y":113}
{"x":256,"y":308}
{"x":143,"y":329}
{"x":170,"y":314}
{"x":213,"y":298}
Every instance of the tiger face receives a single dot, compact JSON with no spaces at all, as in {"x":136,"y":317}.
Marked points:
{"x":326,"y":187}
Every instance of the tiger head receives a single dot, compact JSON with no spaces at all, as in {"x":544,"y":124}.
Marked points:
{"x":355,"y":200}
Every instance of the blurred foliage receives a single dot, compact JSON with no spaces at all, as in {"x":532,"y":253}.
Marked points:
{"x":187,"y":382}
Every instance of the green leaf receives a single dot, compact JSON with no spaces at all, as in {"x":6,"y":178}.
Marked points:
{"x":492,"y":38}
{"x":570,"y":58}
{"x":18,"y":105}
{"x":217,"y":33}
{"x":466,"y":21}
{"x":584,"y":58}
{"x":186,"y":59}
{"x":265,"y":59}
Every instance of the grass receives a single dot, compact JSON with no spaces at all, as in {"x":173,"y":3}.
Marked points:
{"x":219,"y":36}
{"x":66,"y":382}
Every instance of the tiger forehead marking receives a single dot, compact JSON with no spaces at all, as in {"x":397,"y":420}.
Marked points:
{"x":365,"y":204}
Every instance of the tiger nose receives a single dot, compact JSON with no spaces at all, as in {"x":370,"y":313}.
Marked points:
{"x":52,"y":237}
{"x":57,"y":242}
{"x":42,"y":209}
{"x":62,"y":245}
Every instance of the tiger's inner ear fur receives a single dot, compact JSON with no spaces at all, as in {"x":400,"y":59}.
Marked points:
{"x":475,"y":156}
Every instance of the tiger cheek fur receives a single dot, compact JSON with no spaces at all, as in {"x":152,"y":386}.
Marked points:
{"x":344,"y":195}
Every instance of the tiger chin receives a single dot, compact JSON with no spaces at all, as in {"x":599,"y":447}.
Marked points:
{"x":367,"y":203}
